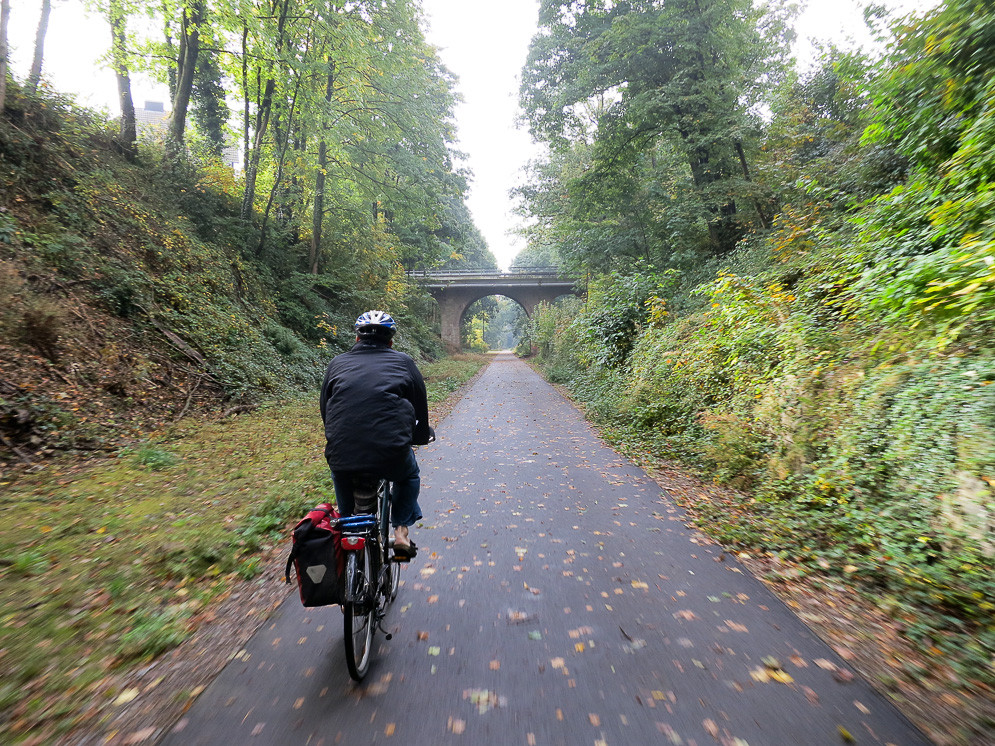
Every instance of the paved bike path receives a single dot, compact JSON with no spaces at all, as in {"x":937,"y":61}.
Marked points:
{"x":558,"y":598}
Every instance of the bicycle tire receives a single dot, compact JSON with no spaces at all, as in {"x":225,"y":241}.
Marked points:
{"x":393,"y":569}
{"x":359,"y":615}
{"x":393,"y":579}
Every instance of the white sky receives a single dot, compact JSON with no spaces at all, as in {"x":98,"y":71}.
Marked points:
{"x":484,"y":44}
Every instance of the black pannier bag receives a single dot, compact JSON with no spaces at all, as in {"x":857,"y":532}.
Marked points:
{"x":316,"y":556}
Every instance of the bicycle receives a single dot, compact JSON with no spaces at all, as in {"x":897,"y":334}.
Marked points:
{"x":372,"y":575}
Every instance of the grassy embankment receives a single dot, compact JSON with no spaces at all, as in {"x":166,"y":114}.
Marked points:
{"x":107,"y":565}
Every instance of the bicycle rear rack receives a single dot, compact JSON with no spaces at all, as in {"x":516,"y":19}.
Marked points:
{"x":357,"y":524}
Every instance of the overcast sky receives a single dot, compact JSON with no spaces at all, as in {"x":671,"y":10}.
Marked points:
{"x":484,"y":44}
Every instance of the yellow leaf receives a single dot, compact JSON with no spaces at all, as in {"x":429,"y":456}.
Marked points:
{"x":781,"y":676}
{"x":126,"y":696}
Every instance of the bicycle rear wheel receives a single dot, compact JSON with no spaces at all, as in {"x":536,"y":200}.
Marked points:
{"x":359,"y":618}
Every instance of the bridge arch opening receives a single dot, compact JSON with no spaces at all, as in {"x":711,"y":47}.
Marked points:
{"x":493,"y":322}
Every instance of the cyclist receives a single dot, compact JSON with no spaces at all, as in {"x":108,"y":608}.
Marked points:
{"x":374,"y":407}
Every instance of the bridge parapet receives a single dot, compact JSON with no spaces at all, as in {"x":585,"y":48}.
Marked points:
{"x":514,"y":274}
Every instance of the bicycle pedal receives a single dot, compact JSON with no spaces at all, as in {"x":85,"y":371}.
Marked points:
{"x":399,"y":558}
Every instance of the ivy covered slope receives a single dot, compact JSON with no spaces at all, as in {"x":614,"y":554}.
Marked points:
{"x":801,"y":305}
{"x":143,"y":279}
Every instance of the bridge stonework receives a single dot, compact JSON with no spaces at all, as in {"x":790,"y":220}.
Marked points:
{"x":455,"y":291}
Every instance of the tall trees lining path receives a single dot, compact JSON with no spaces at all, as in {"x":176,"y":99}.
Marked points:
{"x":558,"y":598}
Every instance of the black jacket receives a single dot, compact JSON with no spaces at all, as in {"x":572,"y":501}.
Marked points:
{"x":374,"y":407}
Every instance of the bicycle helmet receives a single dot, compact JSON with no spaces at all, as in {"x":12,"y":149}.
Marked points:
{"x":375,"y":324}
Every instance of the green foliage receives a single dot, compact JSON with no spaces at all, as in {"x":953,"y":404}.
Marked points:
{"x":30,"y":562}
{"x":153,"y":458}
{"x":837,"y":364}
{"x":271,"y":517}
{"x":935,"y":241}
{"x":161,"y":246}
{"x":646,"y":108}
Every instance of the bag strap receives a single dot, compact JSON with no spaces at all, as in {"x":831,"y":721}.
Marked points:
{"x":293,"y":547}
{"x":290,"y":563}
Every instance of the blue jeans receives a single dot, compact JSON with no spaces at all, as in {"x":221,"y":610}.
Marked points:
{"x":405,"y":485}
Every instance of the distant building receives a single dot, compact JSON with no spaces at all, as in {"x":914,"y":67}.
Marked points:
{"x":153,"y":119}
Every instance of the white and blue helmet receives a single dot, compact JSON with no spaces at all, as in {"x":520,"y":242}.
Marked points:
{"x":376,"y":324}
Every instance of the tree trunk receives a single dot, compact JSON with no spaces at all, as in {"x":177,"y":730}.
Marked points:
{"x":185,"y":66}
{"x":4,"y":17}
{"x":245,"y":89}
{"x":262,"y":118}
{"x":284,"y":145}
{"x":34,"y":77}
{"x":127,"y":133}
{"x":761,"y":212}
{"x":318,"y":212}
{"x":252,"y":167}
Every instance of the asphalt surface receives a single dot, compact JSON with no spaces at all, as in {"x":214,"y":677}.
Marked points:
{"x":558,"y":598}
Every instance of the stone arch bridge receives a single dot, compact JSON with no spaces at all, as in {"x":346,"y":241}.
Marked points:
{"x":455,"y":290}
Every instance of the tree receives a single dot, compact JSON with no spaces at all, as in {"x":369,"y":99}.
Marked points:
{"x":34,"y":76}
{"x":271,"y":38}
{"x":191,"y":18}
{"x":638,"y":80}
{"x":210,"y":112}
{"x":4,"y":53}
{"x":318,"y":209}
{"x":127,"y":131}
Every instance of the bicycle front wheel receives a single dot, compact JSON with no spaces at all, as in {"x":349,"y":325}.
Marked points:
{"x":393,"y":579}
{"x":393,"y":569}
{"x":359,"y":618}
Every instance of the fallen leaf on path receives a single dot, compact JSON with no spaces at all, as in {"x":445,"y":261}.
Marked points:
{"x":126,"y":696}
{"x":140,"y":735}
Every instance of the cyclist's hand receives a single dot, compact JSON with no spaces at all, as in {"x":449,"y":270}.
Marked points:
{"x":431,"y":434}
